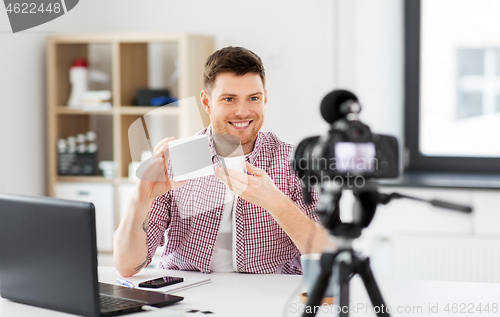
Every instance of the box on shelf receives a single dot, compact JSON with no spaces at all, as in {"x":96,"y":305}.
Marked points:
{"x":76,"y":164}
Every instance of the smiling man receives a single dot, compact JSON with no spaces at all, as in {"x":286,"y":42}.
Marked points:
{"x":248,"y":217}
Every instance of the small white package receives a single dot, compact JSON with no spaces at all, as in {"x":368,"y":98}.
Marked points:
{"x":190,"y":158}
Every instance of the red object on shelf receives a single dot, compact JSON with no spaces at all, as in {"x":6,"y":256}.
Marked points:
{"x":80,"y":62}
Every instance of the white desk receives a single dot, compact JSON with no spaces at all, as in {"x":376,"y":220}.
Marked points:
{"x":228,"y":294}
{"x":234,"y":294}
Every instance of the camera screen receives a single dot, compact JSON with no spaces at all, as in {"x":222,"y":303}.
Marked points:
{"x":355,"y":157}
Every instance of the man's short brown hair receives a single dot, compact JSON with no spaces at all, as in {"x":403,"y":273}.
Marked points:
{"x":236,"y":60}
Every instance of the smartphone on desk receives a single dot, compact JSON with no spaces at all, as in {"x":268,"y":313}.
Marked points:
{"x":161,"y":282}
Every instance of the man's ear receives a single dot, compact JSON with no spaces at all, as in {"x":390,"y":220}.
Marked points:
{"x":205,"y":101}
{"x":265,"y":96}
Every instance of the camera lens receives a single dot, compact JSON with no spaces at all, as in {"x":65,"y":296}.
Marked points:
{"x":356,"y":133}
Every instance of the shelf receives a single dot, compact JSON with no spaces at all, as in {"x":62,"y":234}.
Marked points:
{"x":444,"y":180}
{"x":125,"y":110}
{"x":84,"y":179}
{"x":130,"y":37}
{"x":142,"y":110}
{"x":67,"y":110}
{"x":94,"y":179}
{"x":133,"y":61}
{"x":123,"y":180}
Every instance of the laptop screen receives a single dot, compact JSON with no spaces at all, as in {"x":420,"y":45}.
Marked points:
{"x":48,"y":255}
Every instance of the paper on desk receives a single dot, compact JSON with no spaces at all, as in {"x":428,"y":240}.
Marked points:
{"x":163,"y":312}
{"x":188,"y":282}
{"x":190,"y":158}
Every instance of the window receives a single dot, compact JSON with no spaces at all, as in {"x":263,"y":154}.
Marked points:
{"x":478,"y":82}
{"x":452,"y":74}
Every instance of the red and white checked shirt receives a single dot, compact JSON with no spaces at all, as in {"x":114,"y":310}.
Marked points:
{"x":187,"y":219}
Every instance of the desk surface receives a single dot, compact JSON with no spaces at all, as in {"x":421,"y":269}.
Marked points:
{"x":228,"y":294}
{"x":234,"y":294}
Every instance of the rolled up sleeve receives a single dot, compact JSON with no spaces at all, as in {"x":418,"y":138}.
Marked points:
{"x":158,"y":222}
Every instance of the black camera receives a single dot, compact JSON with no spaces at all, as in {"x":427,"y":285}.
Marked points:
{"x":350,"y":151}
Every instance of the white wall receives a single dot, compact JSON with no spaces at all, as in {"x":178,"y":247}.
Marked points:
{"x":22,"y":112}
{"x":370,"y":64}
{"x":22,"y":104}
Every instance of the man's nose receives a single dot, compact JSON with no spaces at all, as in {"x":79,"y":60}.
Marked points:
{"x":242,"y":110}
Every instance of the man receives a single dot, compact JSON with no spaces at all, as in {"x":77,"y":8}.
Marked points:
{"x":232,"y":221}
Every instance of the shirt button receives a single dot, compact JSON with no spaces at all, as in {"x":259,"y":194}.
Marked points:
{"x":209,"y":247}
{"x":217,"y":214}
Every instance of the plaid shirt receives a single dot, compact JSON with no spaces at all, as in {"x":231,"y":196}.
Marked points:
{"x":189,"y":217}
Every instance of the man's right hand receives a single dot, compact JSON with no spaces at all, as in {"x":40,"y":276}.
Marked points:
{"x":153,"y":174}
{"x":130,"y":245}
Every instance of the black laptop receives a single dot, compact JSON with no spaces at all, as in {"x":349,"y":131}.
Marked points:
{"x":48,"y":258}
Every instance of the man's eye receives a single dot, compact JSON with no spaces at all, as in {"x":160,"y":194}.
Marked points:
{"x":229,"y":99}
{"x":254,"y":98}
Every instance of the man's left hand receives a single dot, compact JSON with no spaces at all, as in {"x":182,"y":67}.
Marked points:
{"x":257,"y":188}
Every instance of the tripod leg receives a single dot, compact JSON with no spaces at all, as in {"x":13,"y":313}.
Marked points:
{"x":372,"y":288}
{"x":344,"y":272}
{"x":321,"y":284}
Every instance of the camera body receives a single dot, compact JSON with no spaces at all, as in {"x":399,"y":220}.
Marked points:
{"x":349,"y":150}
{"x":354,"y":149}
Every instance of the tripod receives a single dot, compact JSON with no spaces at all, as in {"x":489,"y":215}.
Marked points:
{"x":341,"y":265}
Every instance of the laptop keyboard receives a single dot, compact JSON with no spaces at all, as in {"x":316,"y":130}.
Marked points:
{"x":112,"y":303}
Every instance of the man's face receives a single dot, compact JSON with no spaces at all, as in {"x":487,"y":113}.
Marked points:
{"x":236,"y":106}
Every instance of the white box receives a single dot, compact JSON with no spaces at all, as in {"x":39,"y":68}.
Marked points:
{"x":101,"y":195}
{"x":191,"y":158}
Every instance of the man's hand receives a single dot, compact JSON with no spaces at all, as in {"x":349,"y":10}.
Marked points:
{"x":257,"y":188}
{"x":153,"y":174}
{"x":130,"y":245}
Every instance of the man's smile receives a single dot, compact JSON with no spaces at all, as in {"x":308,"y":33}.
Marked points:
{"x":241,"y":124}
